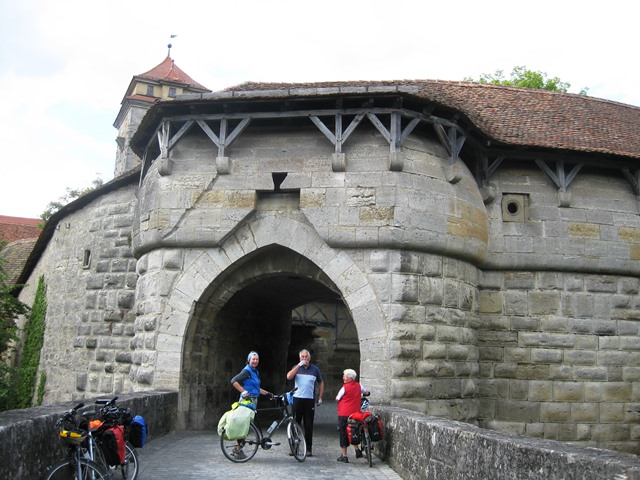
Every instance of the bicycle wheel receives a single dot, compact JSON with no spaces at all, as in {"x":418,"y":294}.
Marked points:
{"x":129,"y":468}
{"x":366,"y":445}
{"x":297,"y":443}
{"x":241,"y":451}
{"x":67,"y":470}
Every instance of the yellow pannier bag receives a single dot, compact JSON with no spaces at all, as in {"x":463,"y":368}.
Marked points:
{"x":234,"y":424}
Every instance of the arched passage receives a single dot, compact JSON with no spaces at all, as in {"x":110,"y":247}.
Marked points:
{"x":268,"y":249}
{"x":250,"y":307}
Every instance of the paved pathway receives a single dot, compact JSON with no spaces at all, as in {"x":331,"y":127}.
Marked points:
{"x":196,"y":455}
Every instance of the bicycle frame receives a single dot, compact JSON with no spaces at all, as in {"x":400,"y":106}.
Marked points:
{"x":129,"y":469}
{"x":233,"y":449}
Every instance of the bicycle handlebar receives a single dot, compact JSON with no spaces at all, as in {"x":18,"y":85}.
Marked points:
{"x":70,"y":415}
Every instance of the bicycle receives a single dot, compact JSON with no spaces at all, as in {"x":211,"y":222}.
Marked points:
{"x":76,"y":466}
{"x":361,"y":422}
{"x":243,"y":450}
{"x":108,"y":416}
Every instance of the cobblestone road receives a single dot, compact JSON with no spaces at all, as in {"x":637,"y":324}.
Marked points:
{"x":196,"y":455}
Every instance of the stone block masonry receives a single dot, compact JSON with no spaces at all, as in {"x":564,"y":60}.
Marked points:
{"x":566,"y":360}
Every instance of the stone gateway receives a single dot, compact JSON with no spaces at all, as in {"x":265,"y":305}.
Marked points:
{"x":473,"y":251}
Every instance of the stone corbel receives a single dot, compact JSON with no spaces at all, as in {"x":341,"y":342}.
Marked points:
{"x":488,"y":193}
{"x":453,"y":173}
{"x":396,"y":161}
{"x":165,"y":166}
{"x":564,"y":199}
{"x":339,"y":162}
{"x":223,"y":165}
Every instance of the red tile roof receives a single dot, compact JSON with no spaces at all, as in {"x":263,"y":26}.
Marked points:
{"x":168,"y":71}
{"x":17,"y":228}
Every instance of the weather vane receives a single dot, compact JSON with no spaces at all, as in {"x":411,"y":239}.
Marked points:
{"x":169,"y":46}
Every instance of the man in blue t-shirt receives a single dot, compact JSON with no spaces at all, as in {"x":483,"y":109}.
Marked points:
{"x":304,"y":399}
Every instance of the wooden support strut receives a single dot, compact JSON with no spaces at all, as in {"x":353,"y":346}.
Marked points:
{"x":559,"y":177}
{"x":396,"y":136}
{"x":450,"y":140}
{"x":633,"y":178}
{"x":339,"y":137}
{"x":223,"y":140}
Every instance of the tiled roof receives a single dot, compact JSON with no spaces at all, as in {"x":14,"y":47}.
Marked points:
{"x":511,"y":115}
{"x":17,"y":228}
{"x":142,"y":98}
{"x":168,"y":71}
{"x":15,"y":256}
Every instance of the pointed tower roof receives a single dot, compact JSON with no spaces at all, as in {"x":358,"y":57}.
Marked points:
{"x":168,"y":71}
{"x":165,"y":81}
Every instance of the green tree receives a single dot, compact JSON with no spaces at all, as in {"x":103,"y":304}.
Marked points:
{"x":70,"y":195}
{"x":10,"y":309}
{"x":525,"y":78}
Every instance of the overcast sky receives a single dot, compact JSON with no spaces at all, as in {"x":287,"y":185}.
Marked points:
{"x":65,"y":65}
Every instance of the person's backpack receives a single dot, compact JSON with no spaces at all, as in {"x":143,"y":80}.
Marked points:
{"x":354,"y":433}
{"x":137,"y":432}
{"x":113,"y":445}
{"x":376,"y":430}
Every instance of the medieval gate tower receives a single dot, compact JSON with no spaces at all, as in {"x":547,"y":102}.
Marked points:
{"x":473,"y":251}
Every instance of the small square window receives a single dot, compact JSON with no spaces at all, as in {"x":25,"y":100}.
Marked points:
{"x":172,"y":92}
{"x":150,"y":90}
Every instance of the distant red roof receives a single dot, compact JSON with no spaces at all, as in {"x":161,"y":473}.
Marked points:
{"x":168,"y":71}
{"x":17,"y":228}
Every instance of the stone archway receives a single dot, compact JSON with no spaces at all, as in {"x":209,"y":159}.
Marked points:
{"x":246,"y":260}
{"x":265,"y":288}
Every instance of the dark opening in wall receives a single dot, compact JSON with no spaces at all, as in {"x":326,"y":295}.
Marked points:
{"x":86,"y":259}
{"x":515,"y":207}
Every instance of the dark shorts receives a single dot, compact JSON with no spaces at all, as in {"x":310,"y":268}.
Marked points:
{"x":342,"y":431}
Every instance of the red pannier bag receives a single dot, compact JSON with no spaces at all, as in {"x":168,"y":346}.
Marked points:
{"x":113,"y":445}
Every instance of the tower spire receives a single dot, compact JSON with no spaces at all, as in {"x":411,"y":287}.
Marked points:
{"x":169,"y":46}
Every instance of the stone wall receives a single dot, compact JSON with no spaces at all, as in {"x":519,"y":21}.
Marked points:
{"x":417,"y":446}
{"x":421,"y":447}
{"x":90,"y":278}
{"x":29,"y":438}
{"x":560,"y":357}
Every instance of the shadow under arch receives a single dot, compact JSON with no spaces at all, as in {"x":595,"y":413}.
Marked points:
{"x":223,"y":293}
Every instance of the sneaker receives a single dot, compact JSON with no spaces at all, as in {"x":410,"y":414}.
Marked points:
{"x":343,"y":459}
{"x":309,"y":454}
{"x":239,"y":454}
{"x":358,"y":453}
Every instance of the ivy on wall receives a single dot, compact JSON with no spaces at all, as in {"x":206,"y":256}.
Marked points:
{"x":10,"y":309}
{"x":30,"y":358}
